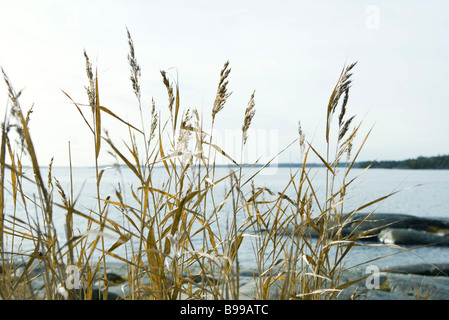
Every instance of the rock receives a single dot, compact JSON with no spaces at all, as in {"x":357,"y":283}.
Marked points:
{"x":98,"y":295}
{"x":392,"y":220}
{"x":404,"y":282}
{"x":114,"y":278}
{"x":35,"y":276}
{"x":422,"y":230}
{"x":417,"y":286}
{"x":205,"y":279}
{"x":424,"y":269}
{"x":411,"y":237}
{"x":396,"y":282}
{"x":379,"y":295}
{"x":248,"y":290}
{"x":121,"y":290}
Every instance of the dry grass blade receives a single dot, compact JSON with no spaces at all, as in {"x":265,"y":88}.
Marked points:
{"x":2,"y":184}
{"x":155,"y":264}
{"x":159,"y":191}
{"x":79,"y":110}
{"x":101,"y":108}
{"x":221,"y":152}
{"x":161,"y":152}
{"x":127,"y":162}
{"x":104,"y":109}
{"x":97,"y":115}
{"x":322,"y":160}
{"x":122,"y":240}
{"x":177,"y":101}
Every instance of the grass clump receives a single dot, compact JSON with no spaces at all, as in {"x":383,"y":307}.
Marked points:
{"x":179,"y":237}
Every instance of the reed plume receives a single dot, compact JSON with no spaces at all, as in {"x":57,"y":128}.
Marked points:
{"x":169,"y":87}
{"x":135,"y":68}
{"x":342,"y":87}
{"x":90,"y":90}
{"x":222,"y":91}
{"x":249,"y":114}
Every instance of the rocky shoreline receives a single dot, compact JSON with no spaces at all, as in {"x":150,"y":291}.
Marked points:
{"x":394,"y":282}
{"x":408,"y":282}
{"x":401,"y":229}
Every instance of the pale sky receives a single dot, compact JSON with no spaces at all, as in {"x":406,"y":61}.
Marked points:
{"x":290,"y":52}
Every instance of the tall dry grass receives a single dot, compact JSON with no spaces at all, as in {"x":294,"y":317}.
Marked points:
{"x":299,"y":251}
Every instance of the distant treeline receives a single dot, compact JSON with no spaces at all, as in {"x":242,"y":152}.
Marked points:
{"x":437,"y":162}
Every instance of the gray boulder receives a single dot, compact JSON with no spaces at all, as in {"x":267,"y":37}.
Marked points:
{"x":379,"y":221}
{"x":411,"y":237}
{"x":424,"y":269}
{"x":394,"y":228}
{"x":417,"y":286}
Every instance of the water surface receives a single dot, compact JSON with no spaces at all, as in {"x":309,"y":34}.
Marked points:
{"x":424,"y":193}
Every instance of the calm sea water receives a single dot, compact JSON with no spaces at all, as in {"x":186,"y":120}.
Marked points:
{"x":423,"y":193}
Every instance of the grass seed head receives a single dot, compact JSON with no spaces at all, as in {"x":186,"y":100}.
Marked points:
{"x":135,"y":68}
{"x":249,"y":114}
{"x":222,"y":91}
{"x":169,"y":86}
{"x":91,"y":88}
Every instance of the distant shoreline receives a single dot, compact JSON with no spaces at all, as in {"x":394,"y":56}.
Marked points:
{"x":435,"y":163}
{"x":420,"y":163}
